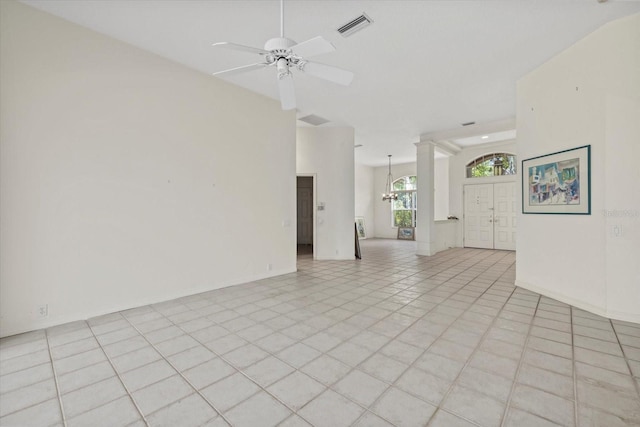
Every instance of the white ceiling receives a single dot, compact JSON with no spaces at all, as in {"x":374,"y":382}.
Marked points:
{"x":421,"y":67}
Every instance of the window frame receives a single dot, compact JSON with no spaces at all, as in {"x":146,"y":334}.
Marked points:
{"x":512,"y":170}
{"x":414,"y":201}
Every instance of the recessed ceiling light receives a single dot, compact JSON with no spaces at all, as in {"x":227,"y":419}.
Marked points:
{"x":485,"y":136}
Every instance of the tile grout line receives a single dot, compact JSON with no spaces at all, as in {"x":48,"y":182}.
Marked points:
{"x":626,"y":359}
{"x":55,"y":379}
{"x":126,"y":389}
{"x":468,"y":361}
{"x":520,"y":362}
{"x":178,"y":371}
{"x":322,"y":353}
{"x":264,"y":389}
{"x":406,"y":286}
{"x":339,"y":281}
{"x":412,"y":364}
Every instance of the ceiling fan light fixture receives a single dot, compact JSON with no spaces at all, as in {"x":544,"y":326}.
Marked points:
{"x":283,"y":68}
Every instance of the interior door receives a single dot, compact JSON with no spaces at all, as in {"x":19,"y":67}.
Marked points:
{"x":504,"y":221}
{"x":305,"y":210}
{"x":478,"y":216}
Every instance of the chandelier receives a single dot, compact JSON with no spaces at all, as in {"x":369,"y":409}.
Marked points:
{"x":388,"y":194}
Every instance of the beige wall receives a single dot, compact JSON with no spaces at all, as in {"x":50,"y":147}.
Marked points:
{"x":587,"y":95}
{"x":127,"y":179}
{"x":365,"y":197}
{"x":327,"y":153}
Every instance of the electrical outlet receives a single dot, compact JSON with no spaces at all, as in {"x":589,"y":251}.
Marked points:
{"x":269,"y":267}
{"x":42,"y":310}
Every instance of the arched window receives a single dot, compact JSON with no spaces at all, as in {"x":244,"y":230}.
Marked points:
{"x":494,"y":164}
{"x":403,"y":210}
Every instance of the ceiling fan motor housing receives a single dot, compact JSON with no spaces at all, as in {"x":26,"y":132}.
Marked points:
{"x":279,"y":46}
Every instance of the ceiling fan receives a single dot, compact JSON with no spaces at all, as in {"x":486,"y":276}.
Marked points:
{"x":285,"y":54}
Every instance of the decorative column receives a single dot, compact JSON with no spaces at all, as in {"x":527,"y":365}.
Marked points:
{"x":425,"y":230}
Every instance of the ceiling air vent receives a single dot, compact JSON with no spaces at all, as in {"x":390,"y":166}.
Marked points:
{"x":355,"y":25}
{"x":468,"y":123}
{"x":314,"y":120}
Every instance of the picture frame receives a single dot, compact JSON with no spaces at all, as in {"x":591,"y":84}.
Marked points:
{"x":406,"y":233}
{"x":558,"y":183}
{"x":362,"y":230}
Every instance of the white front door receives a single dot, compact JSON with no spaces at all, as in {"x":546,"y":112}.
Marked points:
{"x":478,"y":216}
{"x":504,"y":219}
{"x":490,"y":216}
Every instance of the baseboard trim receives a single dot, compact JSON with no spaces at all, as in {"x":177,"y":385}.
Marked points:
{"x":22,"y":327}
{"x":600,"y":311}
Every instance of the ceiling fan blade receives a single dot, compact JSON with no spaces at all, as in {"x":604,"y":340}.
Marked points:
{"x":242,"y":69}
{"x":327,"y":72}
{"x":235,"y":46}
{"x":287,"y":92}
{"x":312,"y":47}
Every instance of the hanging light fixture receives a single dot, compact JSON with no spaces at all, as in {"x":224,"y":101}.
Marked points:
{"x":389,"y":194}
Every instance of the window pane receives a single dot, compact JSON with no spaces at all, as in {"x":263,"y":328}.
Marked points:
{"x":411,"y":182}
{"x":403,"y":218}
{"x":405,"y":183}
{"x":405,"y":200}
{"x":403,"y":209}
{"x":495,"y":164}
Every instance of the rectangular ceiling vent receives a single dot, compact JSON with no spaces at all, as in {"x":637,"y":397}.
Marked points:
{"x":354,"y":25}
{"x":468,"y":123}
{"x":314,"y":120}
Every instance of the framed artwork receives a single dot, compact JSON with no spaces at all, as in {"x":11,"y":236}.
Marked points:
{"x":406,"y":233}
{"x":558,"y":183}
{"x":362,"y":231}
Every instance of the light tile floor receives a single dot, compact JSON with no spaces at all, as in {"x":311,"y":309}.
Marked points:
{"x":391,"y":340}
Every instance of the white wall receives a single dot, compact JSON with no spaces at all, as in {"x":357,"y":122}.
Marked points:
{"x":383,"y":228}
{"x":364,"y":197}
{"x":127,"y":179}
{"x":587,"y":95}
{"x":328,"y":153}
{"x":458,"y":179}
{"x":441,"y":188}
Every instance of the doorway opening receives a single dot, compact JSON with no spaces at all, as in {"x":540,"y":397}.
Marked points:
{"x":305,"y":193}
{"x":490,"y":216}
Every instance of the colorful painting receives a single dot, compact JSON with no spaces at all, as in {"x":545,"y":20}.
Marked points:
{"x":557,"y":183}
{"x":406,"y":233}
